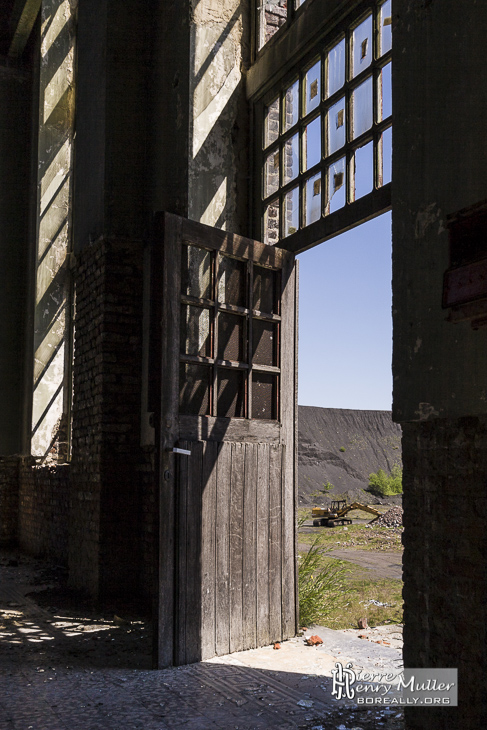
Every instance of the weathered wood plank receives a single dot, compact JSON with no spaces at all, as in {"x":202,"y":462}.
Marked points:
{"x":168,"y":435}
{"x":236,"y":546}
{"x":208,"y":551}
{"x":250,"y":548}
{"x":180,"y":622}
{"x":289,"y":436}
{"x":192,"y":585}
{"x":275,"y":542}
{"x":262,"y":508}
{"x":209,"y":428}
{"x":222,"y":628}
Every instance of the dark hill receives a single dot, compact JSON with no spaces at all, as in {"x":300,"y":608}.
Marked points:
{"x":343,"y":447}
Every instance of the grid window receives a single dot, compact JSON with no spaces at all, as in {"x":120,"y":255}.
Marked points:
{"x":229,"y":336}
{"x":327,"y":134}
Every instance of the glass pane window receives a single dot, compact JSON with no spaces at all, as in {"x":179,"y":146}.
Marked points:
{"x":291,"y":212}
{"x":291,"y":107}
{"x":363,"y":175}
{"x":349,"y":119}
{"x":362,"y":46}
{"x":312,"y":199}
{"x":335,"y":68}
{"x":362,"y":108}
{"x":385,"y":28}
{"x":312,"y":144}
{"x":312,"y":86}
{"x":271,"y":126}
{"x":337,"y":129}
{"x":337,"y":195}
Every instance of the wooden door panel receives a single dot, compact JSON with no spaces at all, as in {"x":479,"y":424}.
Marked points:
{"x":227,"y":488}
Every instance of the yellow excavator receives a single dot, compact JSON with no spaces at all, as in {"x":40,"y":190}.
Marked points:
{"x":335,"y":515}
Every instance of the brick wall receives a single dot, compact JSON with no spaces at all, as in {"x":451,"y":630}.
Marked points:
{"x":44,"y":509}
{"x":9,"y":499}
{"x":445,"y":568}
{"x":106,"y":506}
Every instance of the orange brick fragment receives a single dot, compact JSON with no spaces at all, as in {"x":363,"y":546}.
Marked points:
{"x":314,"y":640}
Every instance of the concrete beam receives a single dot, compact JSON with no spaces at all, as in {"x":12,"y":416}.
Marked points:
{"x":22,"y":21}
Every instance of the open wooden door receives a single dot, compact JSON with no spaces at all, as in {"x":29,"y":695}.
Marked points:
{"x":227,"y":570}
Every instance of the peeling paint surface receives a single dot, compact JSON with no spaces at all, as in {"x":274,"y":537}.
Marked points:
{"x":54,"y":224}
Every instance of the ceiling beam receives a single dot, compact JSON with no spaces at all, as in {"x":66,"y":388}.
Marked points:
{"x":22,"y":21}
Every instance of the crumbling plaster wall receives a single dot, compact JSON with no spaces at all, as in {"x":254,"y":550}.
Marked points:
{"x":219,"y":118}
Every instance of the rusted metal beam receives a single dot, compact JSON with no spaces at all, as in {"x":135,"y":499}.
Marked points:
{"x":22,"y":21}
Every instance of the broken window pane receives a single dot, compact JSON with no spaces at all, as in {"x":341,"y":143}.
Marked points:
{"x":291,"y":158}
{"x":271,"y":123}
{"x":363,"y":170}
{"x":291,"y":107}
{"x":291,"y":212}
{"x":271,"y":179}
{"x":231,"y":393}
{"x":298,"y":3}
{"x":387,"y":156}
{"x":337,"y":126}
{"x":195,"y":331}
{"x":271,"y":223}
{"x":194,"y":389}
{"x":264,"y":342}
{"x":384,"y":105}
{"x":265,"y":290}
{"x":312,"y":144}
{"x":231,"y":331}
{"x":312,"y":199}
{"x":362,"y":46}
{"x":312,"y":85}
{"x":336,"y":186}
{"x":335,"y":70}
{"x":264,"y":395}
{"x":362,"y":108}
{"x":196,"y":272}
{"x":232,"y":278}
{"x":385,"y":27}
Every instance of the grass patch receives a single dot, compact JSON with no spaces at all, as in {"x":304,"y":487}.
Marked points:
{"x":354,"y":597}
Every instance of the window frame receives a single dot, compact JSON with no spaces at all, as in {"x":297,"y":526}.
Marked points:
{"x":312,"y":34}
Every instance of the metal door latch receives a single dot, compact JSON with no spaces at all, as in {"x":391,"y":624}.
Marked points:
{"x":181,"y":451}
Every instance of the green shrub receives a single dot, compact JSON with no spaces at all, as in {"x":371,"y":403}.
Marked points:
{"x":322,"y":587}
{"x":384,"y":485}
{"x":342,"y":448}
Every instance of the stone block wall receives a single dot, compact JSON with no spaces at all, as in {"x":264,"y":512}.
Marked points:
{"x":9,"y":499}
{"x":445,"y":567}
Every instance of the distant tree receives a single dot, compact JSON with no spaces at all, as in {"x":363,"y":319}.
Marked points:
{"x":386,"y":485}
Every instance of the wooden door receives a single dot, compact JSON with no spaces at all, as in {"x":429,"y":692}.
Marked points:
{"x":227,"y":566}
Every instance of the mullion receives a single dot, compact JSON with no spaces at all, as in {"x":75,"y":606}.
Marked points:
{"x":214,"y":386}
{"x":250,"y":353}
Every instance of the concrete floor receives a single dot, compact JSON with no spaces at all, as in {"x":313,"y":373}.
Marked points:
{"x":73,"y":669}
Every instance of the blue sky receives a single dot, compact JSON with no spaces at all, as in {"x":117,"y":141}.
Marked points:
{"x":345,"y":327}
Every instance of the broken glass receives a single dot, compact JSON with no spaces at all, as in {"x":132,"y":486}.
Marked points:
{"x":384,"y":105}
{"x":336,"y":186}
{"x":363,"y":170}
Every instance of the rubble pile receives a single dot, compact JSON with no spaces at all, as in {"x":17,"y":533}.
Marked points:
{"x":391,"y":518}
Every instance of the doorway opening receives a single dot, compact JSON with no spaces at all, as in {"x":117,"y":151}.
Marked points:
{"x":346,"y":434}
